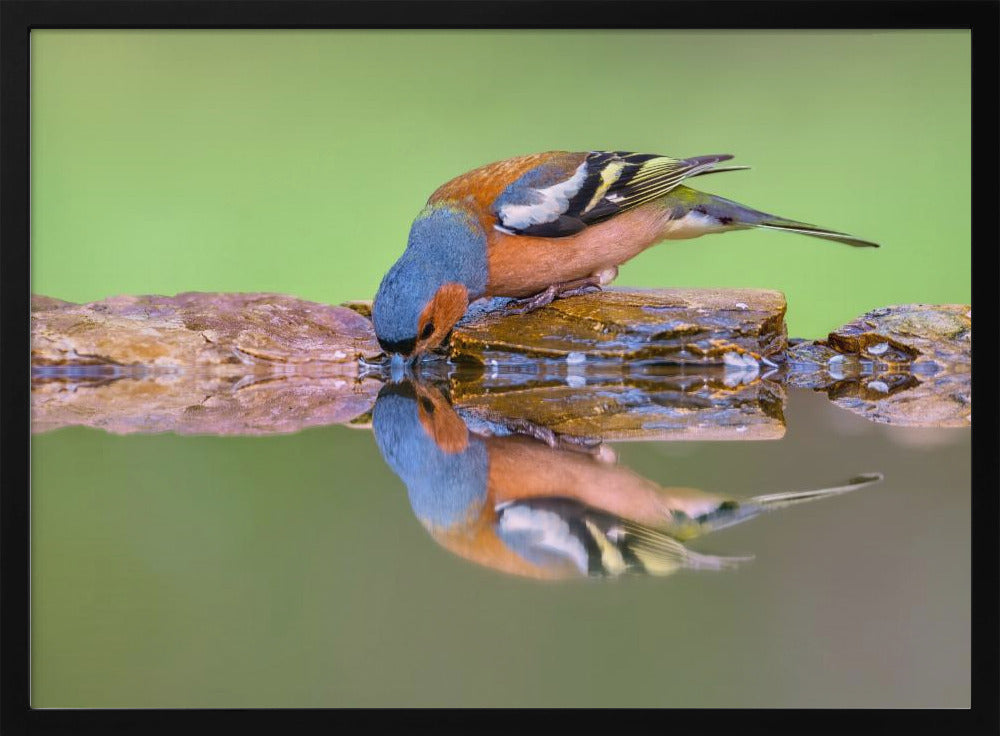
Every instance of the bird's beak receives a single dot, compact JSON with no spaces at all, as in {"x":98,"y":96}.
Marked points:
{"x":397,"y":367}
{"x":400,"y":365}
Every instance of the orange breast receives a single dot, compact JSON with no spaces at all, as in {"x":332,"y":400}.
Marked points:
{"x":523,"y":468}
{"x":479,"y":543}
{"x":522,"y":265}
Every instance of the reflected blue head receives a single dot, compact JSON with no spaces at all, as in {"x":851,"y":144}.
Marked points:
{"x":445,"y":245}
{"x":444,"y":488}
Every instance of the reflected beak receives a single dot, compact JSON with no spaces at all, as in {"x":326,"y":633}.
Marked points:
{"x":400,"y":365}
{"x":397,"y":366}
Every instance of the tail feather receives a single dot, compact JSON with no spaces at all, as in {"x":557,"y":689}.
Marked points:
{"x":719,"y":170}
{"x":730,"y":513}
{"x":791,"y":226}
{"x":726,"y":214}
{"x":701,"y":165}
{"x":772,"y":501}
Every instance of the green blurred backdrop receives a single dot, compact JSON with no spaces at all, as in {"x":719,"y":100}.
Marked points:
{"x":294,"y":161}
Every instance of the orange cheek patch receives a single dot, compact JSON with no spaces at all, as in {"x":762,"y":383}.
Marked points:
{"x":425,"y":317}
{"x":449,"y":305}
{"x":444,"y":310}
{"x":441,"y":422}
{"x":450,"y":432}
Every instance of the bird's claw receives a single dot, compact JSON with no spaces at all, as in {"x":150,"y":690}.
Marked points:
{"x":586,"y":288}
{"x":523,"y":306}
{"x":556,"y":291}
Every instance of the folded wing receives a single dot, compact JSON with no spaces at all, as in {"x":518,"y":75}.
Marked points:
{"x":564,"y":195}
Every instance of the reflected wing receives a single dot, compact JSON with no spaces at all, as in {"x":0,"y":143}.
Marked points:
{"x":566,"y":194}
{"x":553,"y":532}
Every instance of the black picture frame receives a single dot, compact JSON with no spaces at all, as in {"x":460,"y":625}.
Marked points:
{"x":19,"y":17}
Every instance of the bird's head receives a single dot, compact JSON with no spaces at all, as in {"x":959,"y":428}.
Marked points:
{"x":429,"y":288}
{"x":413,"y":315}
{"x":426,"y":443}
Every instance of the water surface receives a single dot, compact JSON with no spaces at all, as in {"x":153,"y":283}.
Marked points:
{"x":291,"y":571}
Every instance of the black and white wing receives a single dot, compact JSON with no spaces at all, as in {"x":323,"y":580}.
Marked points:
{"x":565,"y":194}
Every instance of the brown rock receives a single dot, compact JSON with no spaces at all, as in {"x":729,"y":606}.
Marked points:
{"x":907,"y":400}
{"x":198,"y":330}
{"x":196,"y":403}
{"x":907,"y":365}
{"x":652,"y":407}
{"x":909,"y":335}
{"x":262,"y":363}
{"x":682,"y":326}
{"x":361,"y":306}
{"x":41,"y":303}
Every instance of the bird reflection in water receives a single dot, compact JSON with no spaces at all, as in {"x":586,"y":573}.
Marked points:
{"x":544,"y":510}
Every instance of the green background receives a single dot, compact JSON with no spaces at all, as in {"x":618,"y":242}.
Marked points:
{"x":294,"y":161}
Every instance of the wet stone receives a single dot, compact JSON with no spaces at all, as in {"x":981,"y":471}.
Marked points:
{"x":613,"y":365}
{"x":670,"y":326}
{"x":908,"y":336}
{"x":908,"y":365}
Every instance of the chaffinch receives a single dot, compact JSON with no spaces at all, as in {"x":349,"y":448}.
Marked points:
{"x":519,"y":505}
{"x":546,"y":225}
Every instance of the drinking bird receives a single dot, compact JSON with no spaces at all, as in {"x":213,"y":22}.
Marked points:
{"x":548,"y":225}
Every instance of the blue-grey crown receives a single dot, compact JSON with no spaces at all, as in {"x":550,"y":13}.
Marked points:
{"x":401,"y":297}
{"x":444,"y":488}
{"x":445,"y":245}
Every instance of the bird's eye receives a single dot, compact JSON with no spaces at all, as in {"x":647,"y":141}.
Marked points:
{"x":427,"y":331}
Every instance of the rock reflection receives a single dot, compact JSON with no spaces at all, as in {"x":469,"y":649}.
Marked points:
{"x":667,"y":404}
{"x":202,"y":402}
{"x":904,"y":400}
{"x":549,"y":508}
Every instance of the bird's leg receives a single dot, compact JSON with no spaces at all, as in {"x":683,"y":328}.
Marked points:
{"x":523,"y":306}
{"x":556,"y":441}
{"x":564,"y":289}
{"x":526,"y":428}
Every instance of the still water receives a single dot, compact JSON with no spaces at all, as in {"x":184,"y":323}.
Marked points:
{"x":428,"y":558}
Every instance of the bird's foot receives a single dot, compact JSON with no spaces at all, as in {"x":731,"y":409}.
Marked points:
{"x":523,"y":306}
{"x":580,"y":290}
{"x":555,"y":291}
{"x":586,"y":445}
